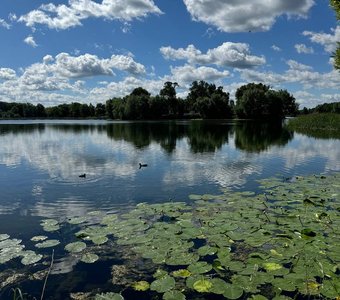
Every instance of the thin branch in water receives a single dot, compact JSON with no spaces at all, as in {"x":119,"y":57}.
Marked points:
{"x":48,"y":273}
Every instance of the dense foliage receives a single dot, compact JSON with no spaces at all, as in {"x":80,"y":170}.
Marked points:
{"x":336,"y":6}
{"x":258,"y":101}
{"x":333,"y":107}
{"x":205,"y":100}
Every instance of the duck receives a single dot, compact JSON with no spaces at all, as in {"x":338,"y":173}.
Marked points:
{"x":142,"y":165}
{"x":82,"y":175}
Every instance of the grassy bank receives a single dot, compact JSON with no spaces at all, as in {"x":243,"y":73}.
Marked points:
{"x":324,"y":125}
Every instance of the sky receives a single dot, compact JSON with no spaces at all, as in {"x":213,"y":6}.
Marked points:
{"x":88,"y":51}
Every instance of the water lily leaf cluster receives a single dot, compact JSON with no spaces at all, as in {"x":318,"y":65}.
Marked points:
{"x":280,"y":243}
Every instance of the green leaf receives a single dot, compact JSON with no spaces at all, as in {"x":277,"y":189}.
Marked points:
{"x":163,"y":284}
{"x":173,"y":295}
{"x":200,"y":267}
{"x":184,"y":273}
{"x":109,"y":296}
{"x":75,"y":247}
{"x":89,"y":258}
{"x":47,"y":244}
{"x":141,"y":285}
{"x":30,"y":257}
{"x":202,"y":285}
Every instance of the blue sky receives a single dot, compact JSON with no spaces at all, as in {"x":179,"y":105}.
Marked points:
{"x":62,"y":51}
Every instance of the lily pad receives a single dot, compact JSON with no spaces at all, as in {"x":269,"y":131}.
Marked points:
{"x":184,"y":273}
{"x":141,"y":285}
{"x":200,"y":267}
{"x":109,"y":296}
{"x":89,"y":258}
{"x":3,"y":236}
{"x":75,"y":247}
{"x":39,"y":238}
{"x":163,"y":284}
{"x":202,"y":285}
{"x":174,"y":295}
{"x":30,"y":257}
{"x":77,"y":220}
{"x":47,"y":244}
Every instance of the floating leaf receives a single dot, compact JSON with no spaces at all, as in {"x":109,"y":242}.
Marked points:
{"x":47,"y":244}
{"x":75,"y":247}
{"x":184,"y":273}
{"x":141,"y":285}
{"x":30,"y":257}
{"x":200,"y":267}
{"x":270,"y":266}
{"x":99,"y":240}
{"x":202,"y":285}
{"x":109,"y":296}
{"x":89,"y":258}
{"x":233,"y":291}
{"x":77,"y":220}
{"x":173,"y":295}
{"x":163,"y":284}
{"x":39,"y":238}
{"x":4,"y":236}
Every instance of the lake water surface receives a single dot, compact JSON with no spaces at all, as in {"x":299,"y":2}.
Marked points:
{"x":40,"y":164}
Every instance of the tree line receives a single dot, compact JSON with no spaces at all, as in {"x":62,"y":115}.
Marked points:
{"x":204,"y":100}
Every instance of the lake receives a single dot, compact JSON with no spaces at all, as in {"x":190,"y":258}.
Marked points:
{"x":40,"y":164}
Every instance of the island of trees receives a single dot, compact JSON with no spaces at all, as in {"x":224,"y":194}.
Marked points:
{"x":205,"y":100}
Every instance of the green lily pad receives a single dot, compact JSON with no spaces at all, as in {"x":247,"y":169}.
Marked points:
{"x":39,"y":238}
{"x":141,"y":285}
{"x":200,"y":267}
{"x":109,"y":296}
{"x":184,"y":273}
{"x":30,"y":257}
{"x":270,"y":266}
{"x":174,"y":295}
{"x":75,"y":247}
{"x":77,"y":220}
{"x":3,"y":236}
{"x":233,"y":291}
{"x":47,"y":244}
{"x":99,"y":240}
{"x":163,"y":284}
{"x":89,"y":258}
{"x":202,"y":285}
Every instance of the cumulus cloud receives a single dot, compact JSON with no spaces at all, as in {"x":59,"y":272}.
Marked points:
{"x":57,"y":79}
{"x":243,"y":15}
{"x":302,"y":48}
{"x":229,"y":54}
{"x":65,"y":16}
{"x":7,"y":74}
{"x":188,"y":74}
{"x":297,"y":73}
{"x":275,"y":48}
{"x":4,"y":24}
{"x":327,"y":40}
{"x":30,"y":41}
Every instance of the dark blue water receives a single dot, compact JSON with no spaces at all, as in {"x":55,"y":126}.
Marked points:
{"x":40,"y":164}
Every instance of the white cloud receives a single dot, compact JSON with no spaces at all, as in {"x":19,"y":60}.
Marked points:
{"x":302,"y":48}
{"x":30,"y":41}
{"x":71,"y":15}
{"x":328,"y":41}
{"x":228,"y":54}
{"x":297,"y":73}
{"x":276,"y":48}
{"x":7,"y":74}
{"x":188,"y":74}
{"x":4,"y":24}
{"x":243,"y":15}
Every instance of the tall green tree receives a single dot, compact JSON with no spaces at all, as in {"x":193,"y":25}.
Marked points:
{"x":336,"y":6}
{"x":168,"y":92}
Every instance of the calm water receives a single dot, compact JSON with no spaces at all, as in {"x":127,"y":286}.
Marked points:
{"x":40,"y":164}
